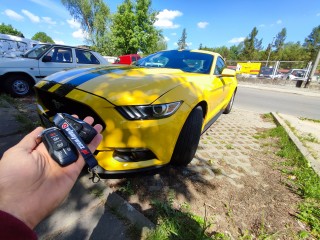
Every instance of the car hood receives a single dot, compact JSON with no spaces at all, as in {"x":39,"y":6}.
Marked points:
{"x":121,"y":85}
{"x":18,"y":62}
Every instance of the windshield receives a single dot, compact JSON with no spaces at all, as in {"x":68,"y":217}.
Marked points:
{"x":37,"y":51}
{"x":186,"y":61}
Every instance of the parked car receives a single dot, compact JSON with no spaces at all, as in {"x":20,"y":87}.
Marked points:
{"x":152,"y":113}
{"x":267,"y":72}
{"x":127,"y":59}
{"x":18,"y":75}
{"x":295,"y":74}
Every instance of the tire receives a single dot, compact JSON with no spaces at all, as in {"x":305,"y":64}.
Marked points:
{"x":230,"y":104}
{"x":18,"y":85}
{"x":188,"y":139}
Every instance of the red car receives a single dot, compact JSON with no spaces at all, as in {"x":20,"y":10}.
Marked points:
{"x":128,"y":59}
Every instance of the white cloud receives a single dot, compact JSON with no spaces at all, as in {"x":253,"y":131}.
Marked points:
{"x":202,"y":24}
{"x":166,"y":39}
{"x":165,"y":18}
{"x":318,"y":14}
{"x":236,"y":40}
{"x":31,"y":16}
{"x":13,"y":15}
{"x":59,"y":42}
{"x":261,"y":25}
{"x":73,"y":24}
{"x":79,"y":34}
{"x":49,"y":20}
{"x":279,"y":21}
{"x":174,"y":34}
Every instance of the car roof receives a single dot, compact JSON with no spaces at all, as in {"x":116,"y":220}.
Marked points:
{"x":61,"y":45}
{"x":195,"y":50}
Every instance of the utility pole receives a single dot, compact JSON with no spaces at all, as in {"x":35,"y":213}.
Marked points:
{"x":313,"y":70}
{"x":270,"y":51}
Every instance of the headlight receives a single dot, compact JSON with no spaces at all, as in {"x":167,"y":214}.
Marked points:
{"x":149,"y":112}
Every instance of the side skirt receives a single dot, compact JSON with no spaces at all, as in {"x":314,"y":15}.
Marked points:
{"x":212,"y":121}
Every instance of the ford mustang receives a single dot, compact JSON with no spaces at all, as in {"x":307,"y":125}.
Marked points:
{"x":152,"y":112}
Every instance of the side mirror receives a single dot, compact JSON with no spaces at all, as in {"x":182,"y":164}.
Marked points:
{"x":47,"y":58}
{"x":228,"y":73}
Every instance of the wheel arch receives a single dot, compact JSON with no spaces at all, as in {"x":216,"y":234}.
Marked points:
{"x":28,"y":77}
{"x":204,"y":106}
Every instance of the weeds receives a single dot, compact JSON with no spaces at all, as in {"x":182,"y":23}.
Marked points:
{"x":127,"y":189}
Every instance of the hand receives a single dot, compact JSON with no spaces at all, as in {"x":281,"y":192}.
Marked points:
{"x":32,"y":184}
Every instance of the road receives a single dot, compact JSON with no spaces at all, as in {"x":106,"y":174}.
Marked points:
{"x":264,"y":101}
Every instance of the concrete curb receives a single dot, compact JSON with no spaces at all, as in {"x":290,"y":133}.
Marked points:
{"x":126,"y":210}
{"x":304,"y":151}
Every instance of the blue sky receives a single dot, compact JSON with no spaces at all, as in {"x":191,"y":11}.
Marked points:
{"x":212,"y":23}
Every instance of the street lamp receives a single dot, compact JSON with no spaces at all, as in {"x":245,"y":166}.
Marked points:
{"x":270,"y":51}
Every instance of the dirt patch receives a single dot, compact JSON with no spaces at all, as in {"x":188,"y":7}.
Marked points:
{"x":234,"y":182}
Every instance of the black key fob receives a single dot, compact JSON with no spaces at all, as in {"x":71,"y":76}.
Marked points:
{"x":59,"y":148}
{"x":85,"y":130}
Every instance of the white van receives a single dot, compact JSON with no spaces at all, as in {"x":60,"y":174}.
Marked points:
{"x":13,"y":46}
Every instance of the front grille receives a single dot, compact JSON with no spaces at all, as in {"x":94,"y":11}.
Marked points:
{"x":57,"y":104}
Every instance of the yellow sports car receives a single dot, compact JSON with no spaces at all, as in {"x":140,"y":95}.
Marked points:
{"x":152,"y":112}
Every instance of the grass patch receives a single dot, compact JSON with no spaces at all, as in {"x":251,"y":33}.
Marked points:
{"x":310,"y":138}
{"x":311,"y":120}
{"x":6,"y":101}
{"x":27,"y":124}
{"x":301,"y":179}
{"x":229,"y":146}
{"x":127,"y":189}
{"x":177,"y":223}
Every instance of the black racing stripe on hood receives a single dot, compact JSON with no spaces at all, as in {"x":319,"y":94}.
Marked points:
{"x":48,"y":85}
{"x":66,"y":88}
{"x":52,"y":81}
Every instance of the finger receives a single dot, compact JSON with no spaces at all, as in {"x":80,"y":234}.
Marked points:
{"x":97,"y":139}
{"x":31,"y":140}
{"x":89,"y":120}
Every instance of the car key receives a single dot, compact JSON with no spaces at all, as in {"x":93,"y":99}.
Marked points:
{"x":59,"y":148}
{"x":85,"y":130}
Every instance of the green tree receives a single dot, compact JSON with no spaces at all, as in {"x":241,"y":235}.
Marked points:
{"x":235,"y":51}
{"x":251,"y":46}
{"x":161,"y":45}
{"x":280,"y":40}
{"x":312,"y":43}
{"x":42,"y":37}
{"x":294,"y":52}
{"x":132,"y":28}
{"x":182,"y":44}
{"x":93,"y":15}
{"x":8,"y":29}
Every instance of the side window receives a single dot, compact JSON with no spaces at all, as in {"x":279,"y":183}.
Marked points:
{"x":134,"y":59}
{"x":220,"y":65}
{"x":61,"y":55}
{"x":86,"y":57}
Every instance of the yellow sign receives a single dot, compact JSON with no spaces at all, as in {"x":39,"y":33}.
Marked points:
{"x":248,"y":68}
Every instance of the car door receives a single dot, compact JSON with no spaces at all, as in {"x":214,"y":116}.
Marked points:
{"x":226,"y":81}
{"x":60,"y":59}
